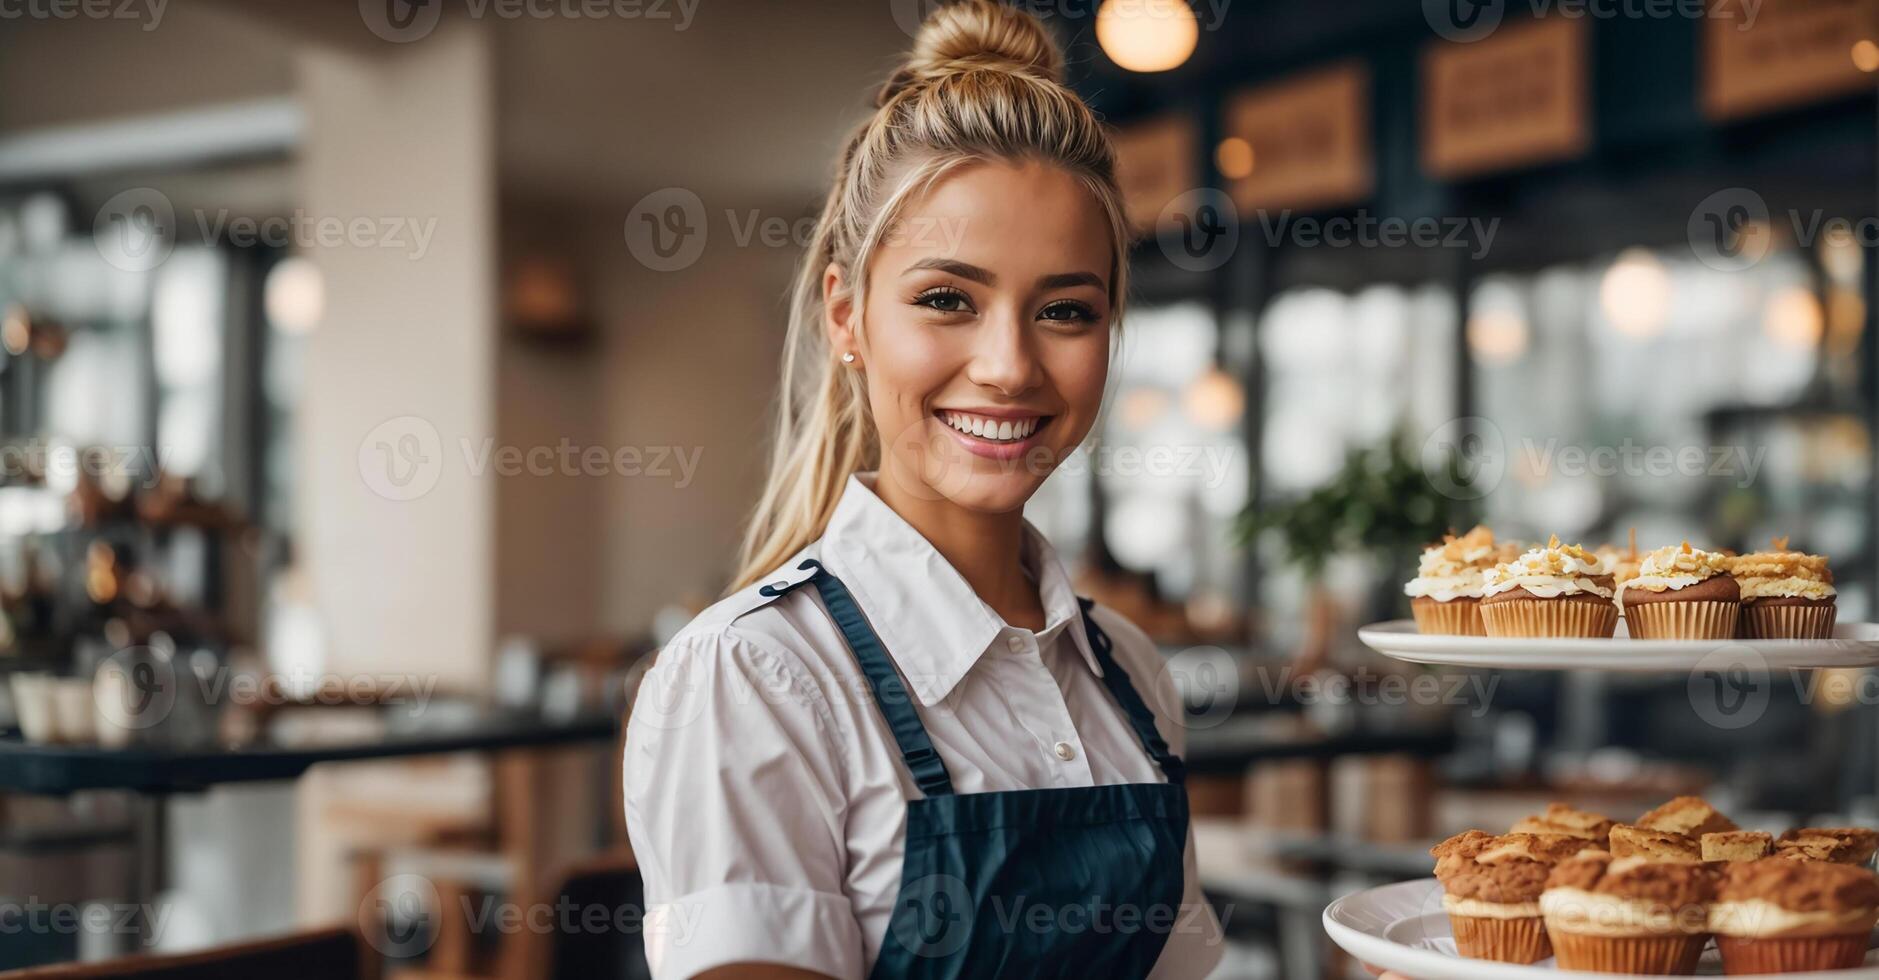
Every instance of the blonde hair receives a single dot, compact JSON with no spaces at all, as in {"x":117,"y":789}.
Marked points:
{"x":984,"y":82}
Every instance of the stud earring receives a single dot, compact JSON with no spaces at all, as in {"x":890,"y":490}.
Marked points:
{"x":848,"y":358}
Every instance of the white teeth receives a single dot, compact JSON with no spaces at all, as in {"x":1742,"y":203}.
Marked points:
{"x":992,"y":429}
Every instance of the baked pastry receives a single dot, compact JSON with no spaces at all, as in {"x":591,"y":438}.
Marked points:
{"x":1558,"y":818}
{"x":1838,"y":845}
{"x":1556,"y":590}
{"x":1627,"y":915}
{"x":1491,"y":890}
{"x":1786,"y":595}
{"x":1654,"y":845}
{"x":1737,"y":845}
{"x":1691,"y":816}
{"x":1445,"y":595}
{"x":1681,"y":593}
{"x":1776,"y":916}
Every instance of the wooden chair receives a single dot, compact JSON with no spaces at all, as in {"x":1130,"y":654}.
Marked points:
{"x":610,"y":882}
{"x":326,"y":954}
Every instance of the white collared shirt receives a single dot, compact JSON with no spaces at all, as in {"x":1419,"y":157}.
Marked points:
{"x":765,"y":795}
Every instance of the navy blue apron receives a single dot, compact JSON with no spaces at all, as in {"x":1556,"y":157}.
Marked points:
{"x":1080,"y":882}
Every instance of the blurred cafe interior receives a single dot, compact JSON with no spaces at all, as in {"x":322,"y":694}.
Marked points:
{"x":364,"y":432}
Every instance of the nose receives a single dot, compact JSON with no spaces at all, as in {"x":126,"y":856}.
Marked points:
{"x":1002,"y":356}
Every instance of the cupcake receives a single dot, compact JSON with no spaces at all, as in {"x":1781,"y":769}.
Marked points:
{"x":1491,"y":891}
{"x":1691,"y":816}
{"x":1737,"y":845}
{"x":1681,"y":593}
{"x":1628,"y":840}
{"x":1445,"y":595}
{"x":1562,"y":820}
{"x":1557,"y":590}
{"x":1627,"y":915}
{"x":1786,"y":595}
{"x":1776,"y":916}
{"x":1837,"y":845}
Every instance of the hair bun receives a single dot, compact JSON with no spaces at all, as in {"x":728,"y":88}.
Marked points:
{"x":977,"y":35}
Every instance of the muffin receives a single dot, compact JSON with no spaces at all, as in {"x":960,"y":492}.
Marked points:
{"x":1560,"y":819}
{"x":1557,"y":590}
{"x":1445,"y":595}
{"x":1691,"y":816}
{"x":1837,"y":845}
{"x":1737,"y":845}
{"x":1491,"y":890}
{"x":1627,"y":915}
{"x":1786,"y":595}
{"x":1654,"y":845}
{"x":1681,"y":593}
{"x":1776,"y":916}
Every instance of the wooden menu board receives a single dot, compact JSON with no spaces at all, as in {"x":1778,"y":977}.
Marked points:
{"x":1310,"y":139}
{"x":1792,"y":53}
{"x":1516,"y":98}
{"x":1156,"y":162}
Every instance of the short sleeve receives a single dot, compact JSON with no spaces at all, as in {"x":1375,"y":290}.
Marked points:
{"x":735,"y":806}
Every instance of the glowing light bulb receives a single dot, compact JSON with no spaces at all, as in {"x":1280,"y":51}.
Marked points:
{"x":1497,"y":336}
{"x":1234,"y":157}
{"x":1635,"y":293}
{"x":1147,"y":35}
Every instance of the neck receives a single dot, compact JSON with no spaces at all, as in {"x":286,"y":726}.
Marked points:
{"x":985,"y":549}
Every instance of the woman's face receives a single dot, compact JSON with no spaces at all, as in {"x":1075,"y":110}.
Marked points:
{"x":985,"y":333}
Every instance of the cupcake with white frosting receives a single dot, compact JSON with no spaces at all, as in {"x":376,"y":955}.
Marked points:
{"x":1491,"y":891}
{"x":1681,"y":593}
{"x":1780,"y":916}
{"x":1445,"y":595}
{"x":1556,"y":590}
{"x":1627,"y":915}
{"x":1786,"y":595}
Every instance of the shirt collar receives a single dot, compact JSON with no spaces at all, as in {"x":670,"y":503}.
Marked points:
{"x":929,"y":619}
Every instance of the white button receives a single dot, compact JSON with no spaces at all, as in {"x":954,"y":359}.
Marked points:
{"x":1016,"y":643}
{"x":1065,"y":751}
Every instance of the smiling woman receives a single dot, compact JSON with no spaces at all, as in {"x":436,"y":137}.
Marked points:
{"x":1005,"y":796}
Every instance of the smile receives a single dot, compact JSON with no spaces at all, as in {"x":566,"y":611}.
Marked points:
{"x":1003,"y":430}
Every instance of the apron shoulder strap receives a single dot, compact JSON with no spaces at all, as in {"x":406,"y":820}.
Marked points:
{"x":1120,"y":688}
{"x":890,"y":693}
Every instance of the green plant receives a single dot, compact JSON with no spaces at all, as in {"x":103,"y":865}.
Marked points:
{"x":1381,"y":501}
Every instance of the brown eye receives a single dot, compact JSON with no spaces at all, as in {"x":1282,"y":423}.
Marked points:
{"x":1068,"y":311}
{"x":943,"y":300}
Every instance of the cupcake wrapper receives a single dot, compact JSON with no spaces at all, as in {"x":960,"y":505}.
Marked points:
{"x":1797,"y":954}
{"x":1677,"y":620}
{"x":1457,"y":618}
{"x":1670,"y":955}
{"x":1549,"y":617}
{"x":1502,"y":940}
{"x":1788,"y":622}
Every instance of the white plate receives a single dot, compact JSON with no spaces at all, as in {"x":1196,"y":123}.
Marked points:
{"x":1402,"y":927}
{"x":1853,"y":645}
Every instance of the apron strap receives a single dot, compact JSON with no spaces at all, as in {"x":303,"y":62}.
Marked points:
{"x":1117,"y":680}
{"x":890,"y":694}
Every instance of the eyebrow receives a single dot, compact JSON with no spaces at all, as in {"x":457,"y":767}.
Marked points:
{"x":966,"y":270}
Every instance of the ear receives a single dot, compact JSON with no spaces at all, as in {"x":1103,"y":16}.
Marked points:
{"x":839,"y":313}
